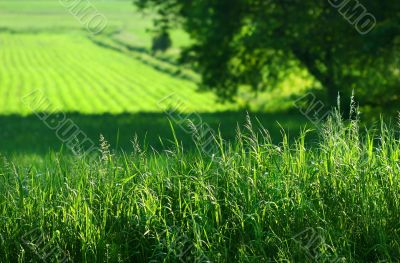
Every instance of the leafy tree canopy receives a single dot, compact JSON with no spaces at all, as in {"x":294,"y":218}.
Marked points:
{"x":344,"y":44}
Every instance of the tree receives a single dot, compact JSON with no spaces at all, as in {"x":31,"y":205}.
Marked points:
{"x":344,"y":44}
{"x":161,"y":42}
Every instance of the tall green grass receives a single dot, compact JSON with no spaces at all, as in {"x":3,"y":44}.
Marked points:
{"x":254,"y":201}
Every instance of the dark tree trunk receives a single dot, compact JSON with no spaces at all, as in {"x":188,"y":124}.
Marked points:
{"x":325,"y":78}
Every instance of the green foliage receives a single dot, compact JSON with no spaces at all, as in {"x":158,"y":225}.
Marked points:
{"x":255,"y":203}
{"x":257,"y":43}
{"x":161,"y":42}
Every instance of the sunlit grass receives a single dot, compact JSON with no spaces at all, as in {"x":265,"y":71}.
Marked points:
{"x":248,"y":203}
{"x":74,"y":74}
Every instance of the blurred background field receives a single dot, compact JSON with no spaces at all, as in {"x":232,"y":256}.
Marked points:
{"x":44,"y":47}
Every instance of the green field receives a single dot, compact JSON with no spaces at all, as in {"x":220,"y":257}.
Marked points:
{"x":46,"y":49}
{"x":274,"y":187}
{"x":69,"y":69}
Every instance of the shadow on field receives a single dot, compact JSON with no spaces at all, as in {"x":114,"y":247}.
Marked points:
{"x":30,"y":135}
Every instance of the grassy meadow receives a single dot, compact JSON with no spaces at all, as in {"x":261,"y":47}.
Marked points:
{"x":108,"y":83}
{"x":253,"y":201}
{"x":274,"y":187}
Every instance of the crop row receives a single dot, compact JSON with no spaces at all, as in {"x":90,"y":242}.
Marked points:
{"x":76,"y":75}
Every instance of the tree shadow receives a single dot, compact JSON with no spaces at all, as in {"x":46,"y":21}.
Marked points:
{"x":31,"y":135}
